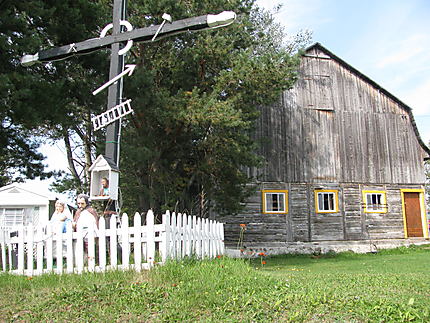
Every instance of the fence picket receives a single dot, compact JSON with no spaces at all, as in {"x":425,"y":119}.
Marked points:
{"x":3,"y":255}
{"x":125,"y":242}
{"x":39,"y":248}
{"x":165,"y":237}
{"x":79,"y":252}
{"x":113,"y":243}
{"x":137,"y":242}
{"x":90,"y":243}
{"x":49,"y":253}
{"x":150,"y":239}
{"x":30,"y":239}
{"x":174,"y":227}
{"x":193,"y":234}
{"x":21,"y":249}
{"x":102,"y":244}
{"x":184,"y":235}
{"x":69,"y":247}
{"x":58,"y":237}
{"x":33,"y":249}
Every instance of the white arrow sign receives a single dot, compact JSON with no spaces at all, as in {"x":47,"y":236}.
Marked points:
{"x":129,"y":69}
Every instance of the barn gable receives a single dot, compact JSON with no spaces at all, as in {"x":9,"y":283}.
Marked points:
{"x":337,"y":125}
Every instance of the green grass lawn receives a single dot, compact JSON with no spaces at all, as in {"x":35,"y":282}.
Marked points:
{"x":390,"y":286}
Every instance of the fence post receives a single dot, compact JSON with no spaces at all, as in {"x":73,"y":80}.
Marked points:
{"x":113,"y":254}
{"x":207,"y":237}
{"x":21,"y":249}
{"x":39,"y":254}
{"x":137,"y":223}
{"x":30,"y":241}
{"x":49,"y":247}
{"x":69,"y":247}
{"x":79,"y":252}
{"x":125,"y":241}
{"x":58,"y":235}
{"x":193,"y":234}
{"x":165,"y":237}
{"x":102,"y":243}
{"x":184,"y":235}
{"x":3,"y":248}
{"x":189,"y":230}
{"x":199,"y":238}
{"x":150,"y":238}
{"x":221,"y":237}
{"x":174,"y":233}
{"x":180,"y":237}
{"x":91,"y":243}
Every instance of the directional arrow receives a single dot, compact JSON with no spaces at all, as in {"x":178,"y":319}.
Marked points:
{"x":128,"y":70}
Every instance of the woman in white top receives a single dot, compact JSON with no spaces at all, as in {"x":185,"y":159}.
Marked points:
{"x":60,"y":217}
{"x":59,"y":220}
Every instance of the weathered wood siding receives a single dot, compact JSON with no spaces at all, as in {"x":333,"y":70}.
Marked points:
{"x":302,"y":223}
{"x":335,"y":127}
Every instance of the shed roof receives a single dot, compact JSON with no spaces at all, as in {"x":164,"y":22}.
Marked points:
{"x":15,"y":195}
{"x":376,"y":86}
{"x":103,"y":162}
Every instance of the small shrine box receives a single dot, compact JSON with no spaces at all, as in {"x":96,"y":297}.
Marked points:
{"x":104,"y":168}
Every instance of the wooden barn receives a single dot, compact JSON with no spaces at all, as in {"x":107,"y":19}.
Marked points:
{"x":344,"y":162}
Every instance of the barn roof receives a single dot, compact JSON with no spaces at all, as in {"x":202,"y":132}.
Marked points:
{"x":376,"y":86}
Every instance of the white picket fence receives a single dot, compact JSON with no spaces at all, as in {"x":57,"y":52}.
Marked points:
{"x":37,"y":250}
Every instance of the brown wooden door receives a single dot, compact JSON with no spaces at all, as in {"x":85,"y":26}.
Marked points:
{"x":413,"y":214}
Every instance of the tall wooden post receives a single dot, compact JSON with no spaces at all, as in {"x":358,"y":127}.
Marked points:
{"x":115,"y":90}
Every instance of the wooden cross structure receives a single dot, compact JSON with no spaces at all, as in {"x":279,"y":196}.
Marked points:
{"x":114,"y":40}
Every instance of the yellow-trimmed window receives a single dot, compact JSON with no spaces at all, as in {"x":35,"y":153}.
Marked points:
{"x":326,"y":201}
{"x":275,"y":201}
{"x":375,"y":202}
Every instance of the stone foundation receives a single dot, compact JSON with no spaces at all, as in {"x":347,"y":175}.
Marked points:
{"x":323,"y":247}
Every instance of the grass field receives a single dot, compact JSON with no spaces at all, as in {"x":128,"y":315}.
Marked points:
{"x":390,"y":286}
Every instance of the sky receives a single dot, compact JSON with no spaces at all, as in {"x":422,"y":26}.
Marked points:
{"x":386,"y":40}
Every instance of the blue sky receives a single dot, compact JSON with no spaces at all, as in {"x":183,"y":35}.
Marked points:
{"x":387,"y":40}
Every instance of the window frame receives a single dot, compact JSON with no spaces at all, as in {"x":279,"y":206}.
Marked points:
{"x":6,"y":219}
{"x":383,"y":209}
{"x":284,"y":193}
{"x":336,"y":201}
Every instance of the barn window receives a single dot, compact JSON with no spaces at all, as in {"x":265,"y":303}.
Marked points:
{"x":326,"y":201}
{"x":375,"y":202}
{"x":275,"y":201}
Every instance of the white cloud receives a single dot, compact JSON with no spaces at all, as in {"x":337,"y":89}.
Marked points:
{"x":401,"y":56}
{"x":297,"y":15}
{"x":411,"y":51}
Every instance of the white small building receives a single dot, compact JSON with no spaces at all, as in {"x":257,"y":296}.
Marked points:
{"x":20,"y":206}
{"x":104,"y":168}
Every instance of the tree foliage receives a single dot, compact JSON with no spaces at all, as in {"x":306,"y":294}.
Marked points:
{"x":195,"y":96}
{"x":46,"y":100}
